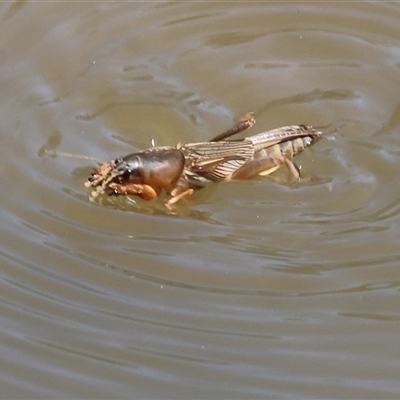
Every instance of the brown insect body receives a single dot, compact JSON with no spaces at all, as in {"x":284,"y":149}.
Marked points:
{"x":159,"y":167}
{"x":182,"y":169}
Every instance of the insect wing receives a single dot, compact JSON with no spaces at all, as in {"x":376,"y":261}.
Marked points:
{"x":217,"y":161}
{"x":283,"y":134}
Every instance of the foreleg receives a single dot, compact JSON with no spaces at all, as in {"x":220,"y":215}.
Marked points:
{"x":146,"y":192}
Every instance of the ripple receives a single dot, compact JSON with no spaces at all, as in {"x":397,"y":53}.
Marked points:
{"x":245,"y":290}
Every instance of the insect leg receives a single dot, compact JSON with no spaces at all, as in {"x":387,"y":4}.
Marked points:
{"x":265,"y":162}
{"x":246,"y":122}
{"x":187,"y":193}
{"x":146,"y":192}
{"x":293,"y":168}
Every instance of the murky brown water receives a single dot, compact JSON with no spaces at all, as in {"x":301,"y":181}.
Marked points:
{"x":261,"y":289}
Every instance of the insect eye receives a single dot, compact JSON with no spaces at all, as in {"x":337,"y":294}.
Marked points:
{"x":130,"y":174}
{"x":127,"y":173}
{"x":129,"y":169}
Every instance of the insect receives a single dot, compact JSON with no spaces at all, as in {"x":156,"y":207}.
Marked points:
{"x":181,"y":170}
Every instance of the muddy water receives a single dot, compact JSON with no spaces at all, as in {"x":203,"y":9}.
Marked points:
{"x":260,"y":289}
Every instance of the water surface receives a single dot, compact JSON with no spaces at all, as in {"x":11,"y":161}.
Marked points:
{"x":258,"y":289}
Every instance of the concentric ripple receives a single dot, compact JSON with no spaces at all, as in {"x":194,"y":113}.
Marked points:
{"x":259,"y":289}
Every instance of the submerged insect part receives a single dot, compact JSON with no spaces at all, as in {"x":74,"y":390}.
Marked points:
{"x":181,"y":170}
